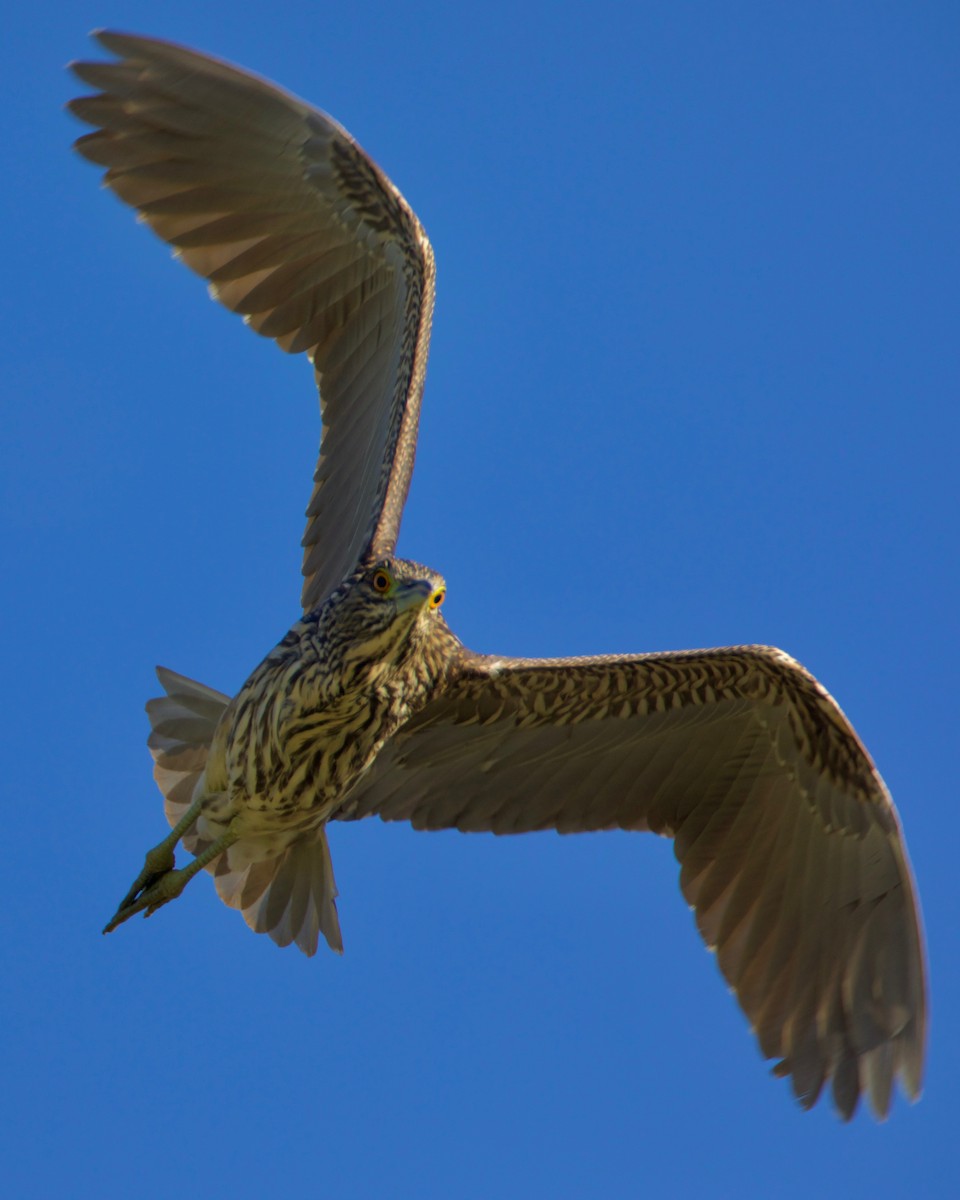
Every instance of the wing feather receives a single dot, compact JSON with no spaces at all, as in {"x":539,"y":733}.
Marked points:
{"x":300,"y":233}
{"x":789,"y":846}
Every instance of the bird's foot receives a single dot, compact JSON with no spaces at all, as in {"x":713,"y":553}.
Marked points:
{"x":158,"y":883}
{"x":158,"y":864}
{"x":159,"y":890}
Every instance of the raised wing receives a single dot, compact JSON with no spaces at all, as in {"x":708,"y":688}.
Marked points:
{"x":296,"y":229}
{"x":789,"y":844}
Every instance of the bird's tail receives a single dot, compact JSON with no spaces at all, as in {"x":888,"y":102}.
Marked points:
{"x":182,"y":725}
{"x":291,"y":895}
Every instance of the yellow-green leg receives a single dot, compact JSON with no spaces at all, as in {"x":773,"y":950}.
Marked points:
{"x":158,"y":882}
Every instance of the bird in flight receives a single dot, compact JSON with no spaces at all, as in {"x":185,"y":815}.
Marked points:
{"x":790,"y":848}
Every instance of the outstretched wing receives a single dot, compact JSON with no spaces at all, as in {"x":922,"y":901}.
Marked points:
{"x":296,"y":229}
{"x":789,"y":844}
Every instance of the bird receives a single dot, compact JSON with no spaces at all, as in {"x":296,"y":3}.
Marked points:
{"x":790,"y":848}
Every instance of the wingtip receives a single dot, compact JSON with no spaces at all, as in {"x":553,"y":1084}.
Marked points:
{"x":106,"y":36}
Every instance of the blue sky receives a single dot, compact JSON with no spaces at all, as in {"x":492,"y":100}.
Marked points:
{"x":694,"y":382}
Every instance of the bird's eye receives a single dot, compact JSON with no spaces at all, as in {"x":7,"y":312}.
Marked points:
{"x":381,"y":582}
{"x":438,"y":597}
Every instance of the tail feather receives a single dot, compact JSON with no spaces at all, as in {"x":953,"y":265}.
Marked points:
{"x":182,"y":725}
{"x":292,"y":895}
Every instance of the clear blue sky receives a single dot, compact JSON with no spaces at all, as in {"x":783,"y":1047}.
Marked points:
{"x":694,"y":382}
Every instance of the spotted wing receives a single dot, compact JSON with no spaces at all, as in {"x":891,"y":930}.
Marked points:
{"x":296,"y":229}
{"x":789,"y":844}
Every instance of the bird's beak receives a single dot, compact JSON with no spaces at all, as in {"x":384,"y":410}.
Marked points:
{"x":412,"y":595}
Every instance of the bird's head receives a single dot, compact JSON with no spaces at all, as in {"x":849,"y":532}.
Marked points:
{"x":383,"y":608}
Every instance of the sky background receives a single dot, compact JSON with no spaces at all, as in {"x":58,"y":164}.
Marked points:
{"x":694,"y":382}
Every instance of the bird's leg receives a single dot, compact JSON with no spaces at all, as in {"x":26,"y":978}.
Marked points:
{"x":160,"y":859}
{"x":158,"y":867}
{"x":170,"y":883}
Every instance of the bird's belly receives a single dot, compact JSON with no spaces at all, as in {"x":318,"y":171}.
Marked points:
{"x":299,"y":773}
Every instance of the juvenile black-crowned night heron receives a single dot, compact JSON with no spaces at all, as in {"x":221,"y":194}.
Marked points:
{"x":789,"y":845}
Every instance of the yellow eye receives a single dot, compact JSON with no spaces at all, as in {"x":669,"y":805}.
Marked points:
{"x":438,"y":597}
{"x":381,"y":582}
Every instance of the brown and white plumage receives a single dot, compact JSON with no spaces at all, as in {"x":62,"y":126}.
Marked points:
{"x":291,"y":896}
{"x":789,"y":844}
{"x":790,"y":849}
{"x":297,"y":230}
